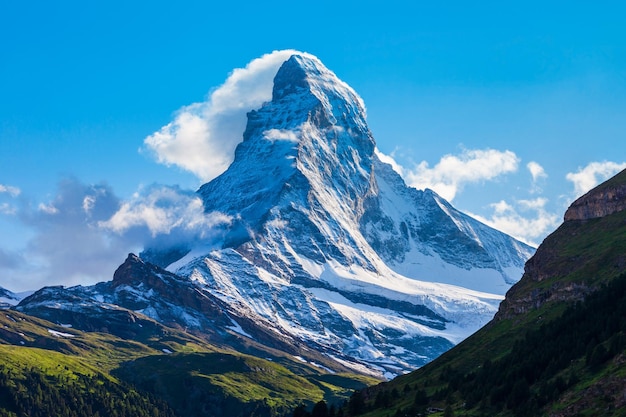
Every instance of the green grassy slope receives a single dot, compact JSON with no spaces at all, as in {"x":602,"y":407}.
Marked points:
{"x":113,"y":376}
{"x":37,"y":382}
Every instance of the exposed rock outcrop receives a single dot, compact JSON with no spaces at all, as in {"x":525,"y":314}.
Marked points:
{"x":570,"y":264}
{"x":606,"y":199}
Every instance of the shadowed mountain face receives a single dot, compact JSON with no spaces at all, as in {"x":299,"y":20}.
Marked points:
{"x":328,"y":249}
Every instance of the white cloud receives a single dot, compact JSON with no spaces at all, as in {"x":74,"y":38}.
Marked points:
{"x":12,"y":191}
{"x":88,"y":203}
{"x":47,"y":208}
{"x":203,"y":136}
{"x":389,"y":159}
{"x":527,"y":220}
{"x":6,"y":208}
{"x":593,"y":174}
{"x":281,"y":135}
{"x":452,"y":172}
{"x":165,"y":210}
{"x":85,"y":232}
{"x":536,"y":171}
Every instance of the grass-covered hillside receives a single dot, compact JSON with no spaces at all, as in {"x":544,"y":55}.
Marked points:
{"x":47,"y":369}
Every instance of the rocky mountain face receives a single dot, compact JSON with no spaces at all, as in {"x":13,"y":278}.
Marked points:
{"x":331,"y":245}
{"x":599,"y":202}
{"x":328,"y":249}
{"x":138,"y":295}
{"x":595,"y":217}
{"x":142,"y":296}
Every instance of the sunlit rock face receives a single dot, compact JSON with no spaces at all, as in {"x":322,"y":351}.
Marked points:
{"x":601,"y":201}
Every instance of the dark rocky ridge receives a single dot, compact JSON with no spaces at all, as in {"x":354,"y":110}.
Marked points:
{"x":542,"y":280}
{"x":606,"y":199}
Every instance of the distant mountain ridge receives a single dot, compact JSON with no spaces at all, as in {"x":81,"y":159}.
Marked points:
{"x":9,"y":298}
{"x":328,"y":249}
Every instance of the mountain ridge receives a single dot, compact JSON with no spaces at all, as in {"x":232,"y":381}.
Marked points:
{"x":609,"y":198}
{"x":602,"y":202}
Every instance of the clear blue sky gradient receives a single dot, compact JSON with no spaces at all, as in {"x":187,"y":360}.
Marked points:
{"x":83,"y":83}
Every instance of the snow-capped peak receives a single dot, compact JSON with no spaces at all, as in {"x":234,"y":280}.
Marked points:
{"x":308,"y":73}
{"x":329,"y":243}
{"x":9,"y":298}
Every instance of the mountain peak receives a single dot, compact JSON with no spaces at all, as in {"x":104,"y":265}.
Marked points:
{"x":329,"y":243}
{"x":291,"y":76}
{"x":305,"y":74}
{"x":309,"y":144}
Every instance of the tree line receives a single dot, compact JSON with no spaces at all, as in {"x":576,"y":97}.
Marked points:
{"x":30,"y":392}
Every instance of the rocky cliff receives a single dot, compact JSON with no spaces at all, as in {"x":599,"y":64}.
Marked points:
{"x":586,"y":251}
{"x":606,"y":199}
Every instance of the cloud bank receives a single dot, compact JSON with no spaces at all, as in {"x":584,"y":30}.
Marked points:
{"x":453,"y":172}
{"x":83,"y":234}
{"x":527,"y":220}
{"x":161,"y":212}
{"x":203,"y":136}
{"x":66,"y":245}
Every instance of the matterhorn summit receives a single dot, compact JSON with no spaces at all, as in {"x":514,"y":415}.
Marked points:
{"x":330,"y":245}
{"x":302,"y":173}
{"x":328,"y":248}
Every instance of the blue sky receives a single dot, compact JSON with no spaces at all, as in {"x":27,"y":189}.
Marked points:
{"x":463,"y":97}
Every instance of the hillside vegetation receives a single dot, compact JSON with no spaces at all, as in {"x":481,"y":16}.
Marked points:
{"x":51,"y":370}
